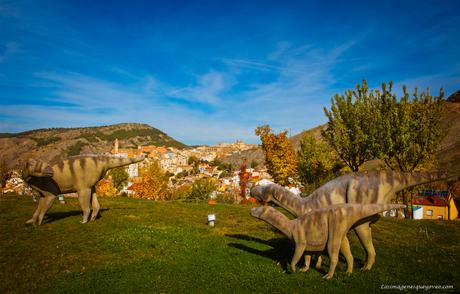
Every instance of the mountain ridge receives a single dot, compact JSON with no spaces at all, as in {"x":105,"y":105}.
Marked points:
{"x":53,"y":143}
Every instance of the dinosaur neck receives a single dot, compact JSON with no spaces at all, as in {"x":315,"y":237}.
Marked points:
{"x":286,"y":199}
{"x":406,"y":180}
{"x":278,"y":220}
{"x":117,"y":162}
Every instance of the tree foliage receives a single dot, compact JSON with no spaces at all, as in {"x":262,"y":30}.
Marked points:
{"x":154,"y":183}
{"x":367,"y":124}
{"x":119,"y":177}
{"x":280,"y":157}
{"x":244,"y":177}
{"x":4,"y":173}
{"x":200,"y":189}
{"x":317,"y":163}
{"x":410,"y":129}
{"x":351,"y":130}
{"x":105,"y":188}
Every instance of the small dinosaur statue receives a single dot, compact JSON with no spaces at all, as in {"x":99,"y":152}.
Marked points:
{"x":321,"y":229}
{"x":75,"y":174}
{"x":378,"y":187}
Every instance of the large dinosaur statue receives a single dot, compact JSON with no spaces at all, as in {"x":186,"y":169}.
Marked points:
{"x":378,"y":187}
{"x":75,"y":174}
{"x":321,"y":229}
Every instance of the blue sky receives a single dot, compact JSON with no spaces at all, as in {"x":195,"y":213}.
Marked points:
{"x":211,"y":71}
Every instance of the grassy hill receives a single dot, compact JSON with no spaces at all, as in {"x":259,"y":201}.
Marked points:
{"x":50,"y":144}
{"x":139,"y":246}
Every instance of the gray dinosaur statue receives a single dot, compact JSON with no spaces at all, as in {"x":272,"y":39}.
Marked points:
{"x":75,"y":174}
{"x":376,"y":187}
{"x":321,"y":229}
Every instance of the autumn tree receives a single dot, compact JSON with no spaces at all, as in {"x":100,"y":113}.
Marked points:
{"x":105,"y":188}
{"x":244,"y":179}
{"x":317,"y":163}
{"x":4,"y":174}
{"x":119,"y":177}
{"x":154,"y":183}
{"x":280,"y":157}
{"x":351,"y":130}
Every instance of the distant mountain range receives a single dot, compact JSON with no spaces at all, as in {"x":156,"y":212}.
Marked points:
{"x":50,"y":144}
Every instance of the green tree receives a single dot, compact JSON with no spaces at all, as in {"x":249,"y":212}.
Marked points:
{"x":317,"y":163}
{"x":410,"y":129}
{"x":119,"y":177}
{"x":280,"y":157}
{"x":202,"y":189}
{"x":193,"y":160}
{"x":351,"y":130}
{"x":254,"y":163}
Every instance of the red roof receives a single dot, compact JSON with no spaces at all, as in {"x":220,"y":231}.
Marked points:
{"x":134,"y":187}
{"x":429,"y":200}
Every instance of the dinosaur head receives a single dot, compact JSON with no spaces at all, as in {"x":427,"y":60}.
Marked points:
{"x":257,"y":212}
{"x":262,"y":194}
{"x":36,"y":168}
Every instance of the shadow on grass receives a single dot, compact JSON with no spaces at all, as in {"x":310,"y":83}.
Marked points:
{"x":55,"y":216}
{"x":282,"y":251}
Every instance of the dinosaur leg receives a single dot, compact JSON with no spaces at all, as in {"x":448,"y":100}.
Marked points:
{"x":307,"y":263}
{"x":84,"y":196}
{"x":333,"y":247}
{"x":345,"y":249}
{"x":318,"y":262}
{"x":299,"y":250}
{"x":34,"y":219}
{"x":95,"y":204}
{"x":46,"y":205}
{"x":365,"y":236}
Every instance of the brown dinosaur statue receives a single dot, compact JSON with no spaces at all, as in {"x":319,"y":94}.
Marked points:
{"x":321,"y":229}
{"x":75,"y":174}
{"x":376,"y":187}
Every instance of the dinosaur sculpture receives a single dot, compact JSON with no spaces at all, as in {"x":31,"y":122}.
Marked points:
{"x":75,"y":174}
{"x":377,"y":187}
{"x":321,"y":229}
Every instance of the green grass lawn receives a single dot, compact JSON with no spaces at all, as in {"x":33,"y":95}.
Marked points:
{"x":166,"y":247}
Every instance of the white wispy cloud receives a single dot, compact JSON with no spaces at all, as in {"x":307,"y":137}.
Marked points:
{"x":207,"y":88}
{"x":293,"y":100}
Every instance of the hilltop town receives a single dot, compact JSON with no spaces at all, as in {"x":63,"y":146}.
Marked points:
{"x":184,"y":166}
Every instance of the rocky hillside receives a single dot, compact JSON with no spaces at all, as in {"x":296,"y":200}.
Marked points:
{"x":50,"y":144}
{"x":448,"y":153}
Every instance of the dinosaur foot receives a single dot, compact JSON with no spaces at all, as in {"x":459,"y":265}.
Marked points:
{"x":328,"y":276}
{"x":32,"y":221}
{"x":83,"y":222}
{"x":305,"y":269}
{"x":366,"y":267}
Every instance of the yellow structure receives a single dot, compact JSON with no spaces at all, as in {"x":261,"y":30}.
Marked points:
{"x":440,"y":205}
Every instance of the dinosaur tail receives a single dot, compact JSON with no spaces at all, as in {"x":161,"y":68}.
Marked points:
{"x":117,"y":161}
{"x":352,"y":213}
